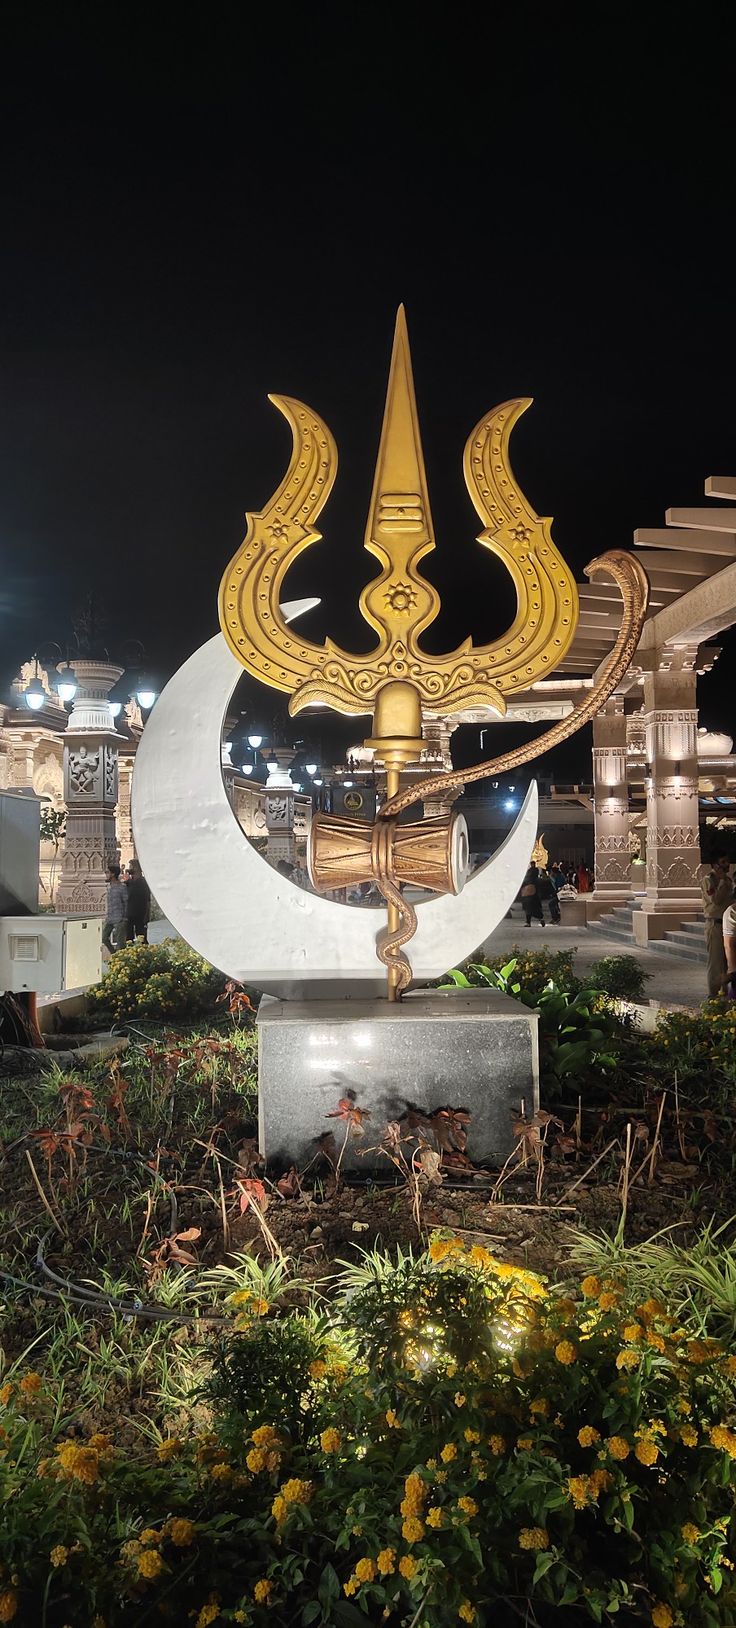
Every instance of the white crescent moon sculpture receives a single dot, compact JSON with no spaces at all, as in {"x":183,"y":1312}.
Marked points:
{"x":240,"y":913}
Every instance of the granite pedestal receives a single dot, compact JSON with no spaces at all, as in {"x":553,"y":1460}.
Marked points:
{"x":469,"y":1049}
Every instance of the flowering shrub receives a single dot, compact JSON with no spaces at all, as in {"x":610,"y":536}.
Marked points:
{"x":166,"y":980}
{"x":699,"y":1047}
{"x":451,"y":1443}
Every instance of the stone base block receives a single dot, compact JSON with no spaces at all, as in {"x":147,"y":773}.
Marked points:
{"x":469,"y":1049}
{"x":650,"y":925}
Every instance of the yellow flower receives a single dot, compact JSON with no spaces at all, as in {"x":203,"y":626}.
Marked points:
{"x":627,"y":1359}
{"x":434,"y":1516}
{"x":392,"y":1420}
{"x":414,"y":1487}
{"x":59,"y":1555}
{"x":468,"y":1506}
{"x":730,"y":1366}
{"x":330,"y":1440}
{"x":539,"y":1406}
{"x":207,"y":1614}
{"x":449,"y":1452}
{"x":150,"y":1564}
{"x":588,"y":1436}
{"x":618,"y":1448}
{"x":222,"y":1472}
{"x":690,"y":1532}
{"x":534,"y":1537}
{"x":351,"y":1586}
{"x":265,"y":1436}
{"x":182,"y":1532}
{"x":525,"y":1444}
{"x":440,"y":1247}
{"x":688,"y":1435}
{"x":296,"y":1491}
{"x":8,"y":1604}
{"x":466,"y":1611}
{"x":412,"y":1529}
{"x":632,"y":1332}
{"x":646,"y":1451}
{"x":591,"y":1287}
{"x":579,"y":1489}
{"x":721,"y":1436}
{"x":31,"y":1384}
{"x":656,"y":1340}
{"x":279,"y":1509}
{"x":662,"y":1616}
{"x":497,"y":1445}
{"x":650,"y":1309}
{"x":149,"y":1535}
{"x":6,"y":1392}
{"x":256,"y":1460}
{"x":566,"y":1353}
{"x":408,"y":1566}
{"x":365,"y":1570}
{"x":471,"y":1435}
{"x":262,"y":1591}
{"x":607,"y":1301}
{"x":318,"y":1369}
{"x":600,"y":1481}
{"x":386,"y":1562}
{"x":459,"y":1399}
{"x":169,"y":1448}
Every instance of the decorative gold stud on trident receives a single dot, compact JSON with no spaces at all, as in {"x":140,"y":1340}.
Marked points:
{"x":397,"y":677}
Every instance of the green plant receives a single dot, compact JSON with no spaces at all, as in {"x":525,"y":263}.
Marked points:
{"x":166,"y":981}
{"x":533,"y":969}
{"x":621,"y":976}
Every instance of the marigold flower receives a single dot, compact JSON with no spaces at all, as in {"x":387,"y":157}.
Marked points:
{"x":262,"y":1591}
{"x":468,"y":1506}
{"x":434,"y":1516}
{"x":386,"y":1562}
{"x":222,"y":1472}
{"x":412,"y":1529}
{"x":534,"y":1537}
{"x":182,"y":1532}
{"x":472,"y":1435}
{"x":618,"y":1448}
{"x":440,"y":1247}
{"x":588,"y":1436}
{"x":497,"y":1445}
{"x":688,"y":1435}
{"x":690,"y":1532}
{"x":408,"y":1566}
{"x":149,"y":1535}
{"x":208,"y":1614}
{"x":296,"y":1491}
{"x":591,"y":1287}
{"x":8,"y":1604}
{"x":608,"y":1300}
{"x":662,"y":1616}
{"x":59,"y":1555}
{"x":330,"y":1440}
{"x":31,"y":1384}
{"x":566,"y":1353}
{"x":632,"y":1332}
{"x":627,"y":1359}
{"x":150,"y":1564}
{"x":449,"y":1452}
{"x":579,"y":1489}
{"x":722,"y":1437}
{"x":466,"y":1611}
{"x":256,"y":1460}
{"x":656,"y":1340}
{"x":365,"y":1570}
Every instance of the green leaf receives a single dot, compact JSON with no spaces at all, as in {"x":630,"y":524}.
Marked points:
{"x":544,"y":1561}
{"x":716,"y":1580}
{"x":508,"y":969}
{"x":311,"y":1612}
{"x":457,"y":979}
{"x":329,"y":1586}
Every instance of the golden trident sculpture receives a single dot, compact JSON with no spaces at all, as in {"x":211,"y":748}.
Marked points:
{"x":395,"y":679}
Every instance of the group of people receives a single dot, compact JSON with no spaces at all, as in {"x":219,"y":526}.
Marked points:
{"x":543,"y":884}
{"x":719,"y":909}
{"x":128,"y":907}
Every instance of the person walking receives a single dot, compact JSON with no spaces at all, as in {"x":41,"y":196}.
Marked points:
{"x":717,"y":890}
{"x":116,"y":908}
{"x":548,"y":895}
{"x":583,"y":878}
{"x":531,"y":903}
{"x":138,"y":903}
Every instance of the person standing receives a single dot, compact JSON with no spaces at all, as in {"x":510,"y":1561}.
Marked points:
{"x":548,"y":894}
{"x":116,"y":908}
{"x":531,"y":903}
{"x":729,"y":947}
{"x":138,"y":903}
{"x":717,"y":890}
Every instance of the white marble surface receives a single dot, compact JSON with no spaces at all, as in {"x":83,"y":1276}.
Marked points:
{"x":233,"y":907}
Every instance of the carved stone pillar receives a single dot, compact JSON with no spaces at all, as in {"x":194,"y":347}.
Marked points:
{"x":90,"y":791}
{"x":436,"y":758}
{"x":673,"y":845}
{"x":123,"y":823}
{"x":611,"y":806}
{"x":280,"y":808}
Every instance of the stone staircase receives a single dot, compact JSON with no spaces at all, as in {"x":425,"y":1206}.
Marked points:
{"x":686,"y":942}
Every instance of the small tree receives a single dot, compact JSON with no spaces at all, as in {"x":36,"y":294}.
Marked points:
{"x":53,"y":827}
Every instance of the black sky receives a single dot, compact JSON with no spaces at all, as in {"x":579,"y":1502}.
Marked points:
{"x":199,"y":207}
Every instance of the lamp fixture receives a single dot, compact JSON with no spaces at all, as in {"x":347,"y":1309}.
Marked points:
{"x":66,"y":684}
{"x":145,"y":694}
{"x":115,"y":708}
{"x":255,"y":741}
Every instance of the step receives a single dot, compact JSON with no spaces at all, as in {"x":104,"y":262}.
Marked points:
{"x":660,"y":946}
{"x":690,"y":940}
{"x":604,"y":929}
{"x":694,"y":929}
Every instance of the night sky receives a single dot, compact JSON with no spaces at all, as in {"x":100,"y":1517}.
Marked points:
{"x":197,"y":209}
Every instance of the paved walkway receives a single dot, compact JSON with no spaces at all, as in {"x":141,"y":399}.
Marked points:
{"x":679,"y":983}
